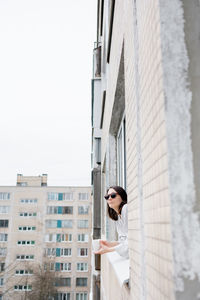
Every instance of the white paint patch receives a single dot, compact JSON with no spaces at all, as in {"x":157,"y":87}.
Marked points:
{"x":185,"y":223}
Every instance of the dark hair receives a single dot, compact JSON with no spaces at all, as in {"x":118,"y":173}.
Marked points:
{"x":111,"y":212}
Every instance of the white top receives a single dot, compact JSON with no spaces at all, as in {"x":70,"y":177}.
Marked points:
{"x":122,"y":230}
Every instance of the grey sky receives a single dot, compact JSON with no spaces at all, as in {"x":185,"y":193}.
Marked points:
{"x":45,"y":90}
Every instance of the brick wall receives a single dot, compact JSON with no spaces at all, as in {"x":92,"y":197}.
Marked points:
{"x":138,"y":26}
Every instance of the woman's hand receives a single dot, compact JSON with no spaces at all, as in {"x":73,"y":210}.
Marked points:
{"x":108,"y":244}
{"x":106,"y":247}
{"x":103,"y":248}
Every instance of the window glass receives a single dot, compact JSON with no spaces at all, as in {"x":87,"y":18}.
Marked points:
{"x":83,"y":223}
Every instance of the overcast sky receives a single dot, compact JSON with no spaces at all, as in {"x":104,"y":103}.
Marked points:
{"x":45,"y":89}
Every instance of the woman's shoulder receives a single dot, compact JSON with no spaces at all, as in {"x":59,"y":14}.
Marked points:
{"x":125,"y":209}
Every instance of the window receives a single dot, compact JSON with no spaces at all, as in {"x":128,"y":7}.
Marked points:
{"x":23,"y":184}
{"x":51,"y":223}
{"x":28,"y":201}
{"x":60,"y":210}
{"x":50,"y":251}
{"x":64,"y":267}
{"x":3,"y":237}
{"x":24,"y":272}
{"x":26,"y":228}
{"x":68,"y":196}
{"x":1,"y":282}
{"x":81,"y":296}
{"x":23,"y":243}
{"x":51,"y":237}
{"x":52,"y":196}
{"x":4,"y":209}
{"x":67,"y":224}
{"x":60,"y":196}
{"x":82,"y":237}
{"x":66,"y":252}
{"x":67,"y":210}
{"x":82,"y":251}
{"x":2,"y":267}
{"x":3,"y":251}
{"x":83,"y":196}
{"x":82,"y":223}
{"x":59,"y":224}
{"x":121,"y":154}
{"x":83,"y":267}
{"x":4,"y":223}
{"x":27,"y":214}
{"x":25,"y":257}
{"x":83,"y":210}
{"x":23,"y":288}
{"x":62,"y":296}
{"x":66,"y":237}
{"x":4,"y":196}
{"x":63,"y":281}
{"x":81,"y":281}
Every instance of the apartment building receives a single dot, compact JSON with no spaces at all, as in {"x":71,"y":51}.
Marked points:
{"x":145,"y":120}
{"x":44,"y":228}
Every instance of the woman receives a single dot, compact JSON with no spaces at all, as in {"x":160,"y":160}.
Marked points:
{"x":118,"y":211}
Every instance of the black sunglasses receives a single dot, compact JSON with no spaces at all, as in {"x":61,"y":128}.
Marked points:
{"x":113,"y":195}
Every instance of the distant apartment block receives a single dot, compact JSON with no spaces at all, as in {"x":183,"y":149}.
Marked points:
{"x":47,"y":227}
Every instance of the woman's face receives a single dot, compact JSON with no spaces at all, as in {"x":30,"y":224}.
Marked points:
{"x":114,"y":202}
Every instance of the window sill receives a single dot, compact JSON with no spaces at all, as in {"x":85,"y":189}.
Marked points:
{"x":114,"y":276}
{"x":120,"y":266}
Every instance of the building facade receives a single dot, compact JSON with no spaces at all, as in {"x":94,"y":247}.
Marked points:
{"x":45,"y":228}
{"x":145,"y":104}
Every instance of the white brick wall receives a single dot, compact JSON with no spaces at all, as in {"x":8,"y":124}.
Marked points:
{"x":147,"y":166}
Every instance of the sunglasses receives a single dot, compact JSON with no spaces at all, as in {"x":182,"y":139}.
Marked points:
{"x":113,"y":195}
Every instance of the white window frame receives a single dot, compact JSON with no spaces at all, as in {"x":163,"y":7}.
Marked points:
{"x":82,"y":267}
{"x":80,"y":238}
{"x":85,"y":250}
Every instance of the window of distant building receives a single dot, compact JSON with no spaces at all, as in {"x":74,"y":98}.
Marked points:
{"x":59,"y":223}
{"x":26,"y":228}
{"x":3,"y":237}
{"x":1,"y":282}
{"x":60,"y":196}
{"x":81,"y":281}
{"x":83,"y":223}
{"x":25,"y":243}
{"x":83,"y":210}
{"x":23,"y":288}
{"x":63,"y":296}
{"x":4,"y":223}
{"x":25,"y":257}
{"x":24,"y":272}
{"x":82,"y":237}
{"x":59,"y":210}
{"x":4,"y":196}
{"x":27,"y":214}
{"x":4,"y":209}
{"x":63,"y":281}
{"x":82,"y":251}
{"x":58,"y":237}
{"x":81,"y":296}
{"x":83,"y":196}
{"x":28,"y":201}
{"x":3,"y":251}
{"x":82,"y":267}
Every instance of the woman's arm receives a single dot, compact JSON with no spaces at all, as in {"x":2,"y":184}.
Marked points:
{"x":109,"y":244}
{"x":104,"y":249}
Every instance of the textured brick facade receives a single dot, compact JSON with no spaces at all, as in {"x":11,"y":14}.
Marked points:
{"x":159,"y":175}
